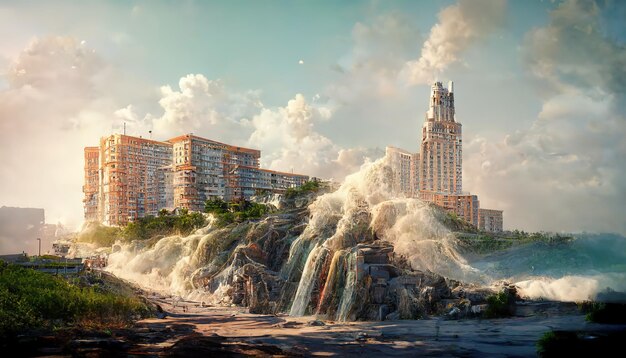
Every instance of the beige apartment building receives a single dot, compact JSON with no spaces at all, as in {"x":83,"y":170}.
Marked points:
{"x":128,"y":177}
{"x":131,"y":179}
{"x":490,"y":220}
{"x":92,"y":180}
{"x":204,"y":169}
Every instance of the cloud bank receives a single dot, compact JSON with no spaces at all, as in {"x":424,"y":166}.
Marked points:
{"x":565,"y":172}
{"x":54,"y":105}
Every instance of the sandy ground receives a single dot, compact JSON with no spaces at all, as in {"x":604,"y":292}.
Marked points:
{"x":433,"y":337}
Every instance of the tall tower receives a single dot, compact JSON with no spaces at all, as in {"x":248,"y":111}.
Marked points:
{"x":441,"y":148}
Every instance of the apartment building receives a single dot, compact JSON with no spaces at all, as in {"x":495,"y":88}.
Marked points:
{"x":132,"y":178}
{"x":279,"y":182}
{"x":403,"y":168}
{"x":90,"y":189}
{"x":466,"y":206}
{"x":128,"y":177}
{"x":490,"y":220}
{"x":205,"y":169}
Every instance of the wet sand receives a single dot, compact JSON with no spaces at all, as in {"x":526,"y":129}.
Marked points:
{"x":432,"y":337}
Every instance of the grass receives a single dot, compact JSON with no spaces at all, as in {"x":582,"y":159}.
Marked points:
{"x":31,"y":299}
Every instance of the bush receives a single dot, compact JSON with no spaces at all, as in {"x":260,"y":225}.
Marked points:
{"x":499,"y":305}
{"x":32,"y":299}
{"x":164,"y":224}
{"x":580,"y":344}
{"x":228,"y":213}
{"x":215,"y":206}
{"x":308,"y":187}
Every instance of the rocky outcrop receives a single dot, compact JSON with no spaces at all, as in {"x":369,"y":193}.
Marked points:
{"x":357,"y":277}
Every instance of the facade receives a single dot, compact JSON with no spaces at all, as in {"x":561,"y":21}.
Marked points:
{"x":441,"y":147}
{"x":490,"y":220}
{"x":403,"y":168}
{"x":465,"y":206}
{"x":128,"y":177}
{"x":90,"y":189}
{"x":132,"y":179}
{"x":435,"y":173}
{"x":204,"y":169}
{"x":279,"y":182}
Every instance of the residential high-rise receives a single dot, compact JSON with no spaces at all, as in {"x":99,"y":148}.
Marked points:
{"x":441,"y":148}
{"x":403,"y":167}
{"x":92,"y":175}
{"x":490,"y":220}
{"x":133,"y":181}
{"x":127,"y":177}
{"x":435,"y":173}
{"x":205,"y":169}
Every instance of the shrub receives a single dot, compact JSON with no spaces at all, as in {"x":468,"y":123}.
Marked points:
{"x":228,"y":213}
{"x":215,"y":206}
{"x":32,"y":299}
{"x":148,"y":227}
{"x":580,"y":344}
{"x":499,"y":305}
{"x":308,"y":187}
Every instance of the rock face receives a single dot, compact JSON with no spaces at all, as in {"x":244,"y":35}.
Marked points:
{"x":277,"y":265}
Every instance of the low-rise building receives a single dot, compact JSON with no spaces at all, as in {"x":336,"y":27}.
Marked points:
{"x":490,"y":220}
{"x":465,"y":205}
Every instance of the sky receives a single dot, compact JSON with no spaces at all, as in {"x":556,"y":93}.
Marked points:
{"x":320,"y":87}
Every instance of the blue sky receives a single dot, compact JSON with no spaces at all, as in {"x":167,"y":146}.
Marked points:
{"x":538,"y":87}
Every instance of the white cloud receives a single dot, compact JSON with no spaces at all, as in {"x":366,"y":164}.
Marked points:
{"x":49,"y":112}
{"x":204,"y":107}
{"x":459,"y":27}
{"x":290,"y":142}
{"x":565,"y":172}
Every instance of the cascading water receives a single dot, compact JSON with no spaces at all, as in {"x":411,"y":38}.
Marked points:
{"x":365,"y":208}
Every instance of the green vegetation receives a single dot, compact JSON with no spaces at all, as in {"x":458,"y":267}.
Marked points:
{"x":600,"y":312}
{"x":228,"y":213}
{"x":144,"y":228}
{"x":31,"y":299}
{"x":482,"y":244}
{"x":308,"y":187}
{"x":165,"y":224}
{"x":545,"y":237}
{"x":499,"y":305}
{"x":455,"y":223}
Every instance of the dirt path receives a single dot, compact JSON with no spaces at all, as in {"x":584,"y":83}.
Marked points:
{"x":305,"y":336}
